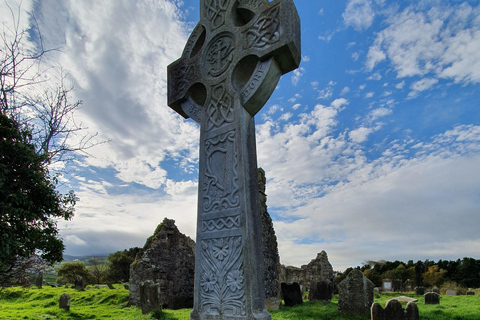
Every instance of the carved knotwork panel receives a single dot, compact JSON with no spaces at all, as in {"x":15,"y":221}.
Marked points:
{"x":220,"y":109}
{"x":222,"y":279}
{"x":215,"y":12}
{"x":220,"y":186}
{"x":265,"y":31}
{"x":220,"y":224}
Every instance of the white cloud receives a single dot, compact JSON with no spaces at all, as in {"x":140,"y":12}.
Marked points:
{"x":440,"y":41}
{"x":359,"y":14}
{"x":345,"y":91}
{"x":400,"y":85}
{"x":421,"y":85}
{"x":297,"y":75}
{"x":369,"y":94}
{"x":360,"y":135}
{"x":376,"y":76}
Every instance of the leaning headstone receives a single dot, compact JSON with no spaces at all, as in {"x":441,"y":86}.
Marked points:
{"x":230,"y":66}
{"x":394,"y":311}
{"x":292,"y":294}
{"x":64,"y":302}
{"x":451,"y":293}
{"x":150,"y":297}
{"x":110,"y":286}
{"x":320,"y":291}
{"x":419,"y":291}
{"x":431,"y":298}
{"x":355,"y":293}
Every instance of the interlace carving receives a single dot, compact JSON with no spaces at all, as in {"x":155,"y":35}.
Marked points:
{"x":215,"y":11}
{"x":220,"y":190}
{"x":222,"y":279}
{"x":219,"y":55}
{"x":220,"y":224}
{"x":220,"y":109}
{"x":265,"y":31}
{"x":183,"y":76}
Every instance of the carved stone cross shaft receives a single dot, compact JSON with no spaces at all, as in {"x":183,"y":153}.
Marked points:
{"x":229,"y":68}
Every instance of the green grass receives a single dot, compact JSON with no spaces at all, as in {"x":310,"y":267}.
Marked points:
{"x":104,"y":303}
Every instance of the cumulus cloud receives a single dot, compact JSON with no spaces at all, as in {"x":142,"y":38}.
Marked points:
{"x":433,"y":46}
{"x":359,"y":14}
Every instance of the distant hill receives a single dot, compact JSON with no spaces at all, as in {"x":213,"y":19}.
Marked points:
{"x":69,"y":258}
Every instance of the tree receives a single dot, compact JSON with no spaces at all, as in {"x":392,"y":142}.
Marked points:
{"x":119,"y":264}
{"x":72,"y":272}
{"x":38,"y":130}
{"x":29,"y":201}
{"x":98,"y":269}
{"x":434,"y":276}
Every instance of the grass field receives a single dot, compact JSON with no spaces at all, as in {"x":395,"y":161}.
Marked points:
{"x":104,"y":303}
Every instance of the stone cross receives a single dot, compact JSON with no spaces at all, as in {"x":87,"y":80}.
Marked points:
{"x":229,"y":68}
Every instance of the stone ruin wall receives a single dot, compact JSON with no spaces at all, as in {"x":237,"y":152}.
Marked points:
{"x":318,"y":270}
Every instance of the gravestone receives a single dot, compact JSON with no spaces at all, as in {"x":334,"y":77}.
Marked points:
{"x":292,"y":294}
{"x":110,"y":286}
{"x":230,"y":66}
{"x":394,"y":311}
{"x":420,"y":291}
{"x":355,"y":293}
{"x":470,"y":293}
{"x":408,"y":285}
{"x":451,"y":293}
{"x":64,"y":301}
{"x":320,"y":291}
{"x":387,"y":285}
{"x":150,"y":296}
{"x":431,"y":298}
{"x":436,"y":289}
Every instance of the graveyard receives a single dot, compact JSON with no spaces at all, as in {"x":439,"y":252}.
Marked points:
{"x":105,"y":303}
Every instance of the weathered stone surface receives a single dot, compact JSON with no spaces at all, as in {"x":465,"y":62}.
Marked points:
{"x":273,"y":303}
{"x":451,"y":293}
{"x":355,"y":293}
{"x":394,"y":311}
{"x":292,"y":294}
{"x":436,"y":289}
{"x":271,"y":258}
{"x":110,"y":286}
{"x":320,"y":291}
{"x":229,"y":68}
{"x":167,"y":259}
{"x":150,"y":296}
{"x":64,"y":301}
{"x":420,"y":291}
{"x":317,"y":271}
{"x":431,"y":298}
{"x":404,"y":299}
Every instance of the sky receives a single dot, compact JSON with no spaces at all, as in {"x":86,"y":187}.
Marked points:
{"x":371,"y":148}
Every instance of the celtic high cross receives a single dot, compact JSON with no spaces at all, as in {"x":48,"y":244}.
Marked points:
{"x":229,"y":68}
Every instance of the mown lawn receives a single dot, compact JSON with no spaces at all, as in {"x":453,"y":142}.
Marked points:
{"x":104,"y":303}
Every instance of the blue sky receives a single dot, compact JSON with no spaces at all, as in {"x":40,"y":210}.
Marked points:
{"x":371,"y":148}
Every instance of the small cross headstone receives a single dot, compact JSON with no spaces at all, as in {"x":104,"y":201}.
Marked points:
{"x":230,"y":66}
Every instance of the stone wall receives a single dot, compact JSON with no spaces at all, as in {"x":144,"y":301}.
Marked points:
{"x":271,"y":258}
{"x":318,"y":270}
{"x":167,"y":260}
